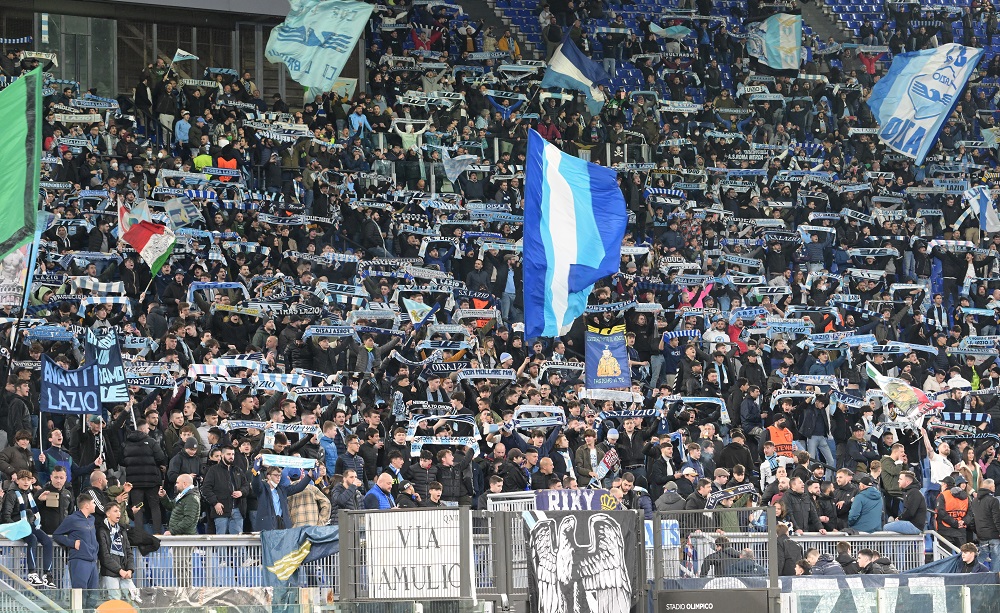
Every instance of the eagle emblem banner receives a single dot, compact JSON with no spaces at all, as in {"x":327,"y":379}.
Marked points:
{"x":584,"y":562}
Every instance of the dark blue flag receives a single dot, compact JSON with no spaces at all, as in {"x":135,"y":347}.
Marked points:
{"x":69,"y":391}
{"x":607,"y":358}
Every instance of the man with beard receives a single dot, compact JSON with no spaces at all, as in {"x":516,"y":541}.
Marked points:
{"x":225,"y":490}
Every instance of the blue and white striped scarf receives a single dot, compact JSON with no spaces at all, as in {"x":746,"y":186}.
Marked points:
{"x":93,"y":285}
{"x":246,"y":247}
{"x":201,"y":194}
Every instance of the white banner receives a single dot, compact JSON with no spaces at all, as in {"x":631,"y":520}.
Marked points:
{"x":415,"y":555}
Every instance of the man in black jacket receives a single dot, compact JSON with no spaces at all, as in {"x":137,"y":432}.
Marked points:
{"x":421,"y":473}
{"x":871,"y":562}
{"x":515,"y":477}
{"x":225,"y":490}
{"x":451,"y":476}
{"x":144,"y":463}
{"x":735,"y":452}
{"x":789,"y":552}
{"x":913,"y":518}
{"x":801,"y":509}
{"x":843,"y":495}
{"x":986,"y":510}
{"x":115,"y":555}
{"x":346,"y":494}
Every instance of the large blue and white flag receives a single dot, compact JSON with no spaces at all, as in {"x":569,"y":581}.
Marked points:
{"x":981,"y":203}
{"x":777,"y":42}
{"x":574,"y":223}
{"x":316,"y":39}
{"x":569,"y":68}
{"x":915,"y":98}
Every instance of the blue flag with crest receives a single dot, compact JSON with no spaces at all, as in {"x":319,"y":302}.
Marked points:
{"x":316,"y":39}
{"x":914,"y":100}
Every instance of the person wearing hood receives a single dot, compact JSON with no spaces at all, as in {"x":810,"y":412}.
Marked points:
{"x":954,"y":515}
{"x":969,"y":562}
{"x":986,"y":509}
{"x":670,"y":500}
{"x":866,"y":509}
{"x":913,"y":517}
{"x":871,"y":562}
{"x":721,"y":562}
{"x":823,"y":563}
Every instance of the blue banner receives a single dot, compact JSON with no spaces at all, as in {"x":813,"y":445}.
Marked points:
{"x":284,"y":551}
{"x":575,"y":500}
{"x":607,"y":359}
{"x":68,"y":391}
{"x":104,"y":353}
{"x":315,"y":57}
{"x":918,"y":94}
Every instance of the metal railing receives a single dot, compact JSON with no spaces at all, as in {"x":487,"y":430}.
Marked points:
{"x":189,"y":562}
{"x":497,"y":554}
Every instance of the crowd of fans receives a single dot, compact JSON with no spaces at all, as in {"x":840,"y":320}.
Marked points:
{"x":753,"y":200}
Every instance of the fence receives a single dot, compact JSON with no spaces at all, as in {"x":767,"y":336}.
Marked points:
{"x":487,"y":549}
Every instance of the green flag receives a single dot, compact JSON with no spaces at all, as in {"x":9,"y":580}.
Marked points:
{"x":20,"y":149}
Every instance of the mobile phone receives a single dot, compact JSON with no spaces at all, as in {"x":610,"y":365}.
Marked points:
{"x":139,"y":506}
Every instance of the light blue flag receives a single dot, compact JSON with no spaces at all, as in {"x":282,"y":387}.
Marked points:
{"x":181,"y":56}
{"x":569,"y":68}
{"x":574,"y":223}
{"x":455,"y":166}
{"x":316,"y":39}
{"x":777,"y":41}
{"x":15,"y":531}
{"x":915,"y":98}
{"x":981,"y":202}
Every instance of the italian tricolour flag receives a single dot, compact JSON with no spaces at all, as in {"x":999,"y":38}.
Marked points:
{"x":154,"y":243}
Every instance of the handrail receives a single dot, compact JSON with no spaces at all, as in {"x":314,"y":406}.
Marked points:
{"x":27,"y":587}
{"x":944,"y":545}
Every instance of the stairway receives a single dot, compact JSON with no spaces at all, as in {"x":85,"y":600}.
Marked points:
{"x":824,"y":25}
{"x":477,"y":9}
{"x":17,"y":595}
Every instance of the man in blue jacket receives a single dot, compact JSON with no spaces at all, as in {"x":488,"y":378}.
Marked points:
{"x":866,"y":510}
{"x":77,"y":533}
{"x":272,"y":499}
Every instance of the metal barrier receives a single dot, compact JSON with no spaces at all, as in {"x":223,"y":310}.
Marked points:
{"x":493,"y":544}
{"x":190,"y":561}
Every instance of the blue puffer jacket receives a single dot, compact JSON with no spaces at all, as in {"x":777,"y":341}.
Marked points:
{"x":866,"y":511}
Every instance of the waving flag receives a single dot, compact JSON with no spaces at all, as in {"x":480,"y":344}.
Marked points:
{"x":776,"y":42}
{"x":917,"y":96}
{"x":20,"y":149}
{"x":154,"y":243}
{"x":418,"y":311}
{"x":677,"y":32}
{"x":455,"y":166}
{"x":129,"y":217}
{"x":574,"y":223}
{"x":316,"y":39}
{"x":181,"y":56}
{"x":911,"y":403}
{"x":981,"y":203}
{"x":569,"y":68}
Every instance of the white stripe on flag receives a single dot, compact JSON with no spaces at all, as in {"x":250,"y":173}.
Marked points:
{"x":561,"y":217}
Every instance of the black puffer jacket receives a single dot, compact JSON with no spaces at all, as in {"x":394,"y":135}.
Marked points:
{"x":142,"y":458}
{"x":452,"y":479}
